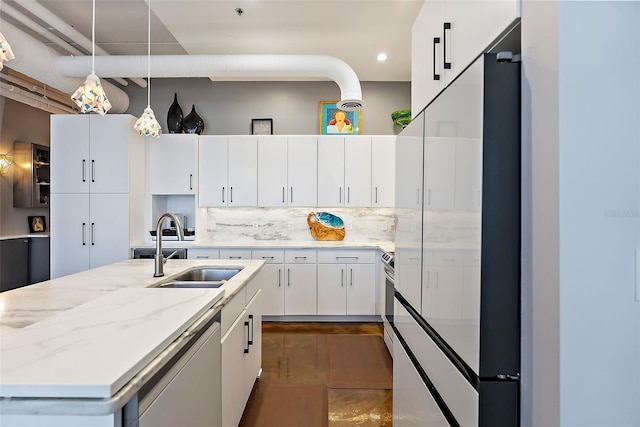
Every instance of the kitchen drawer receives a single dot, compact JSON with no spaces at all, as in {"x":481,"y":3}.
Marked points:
{"x":270,"y":256}
{"x":235,"y":253}
{"x":300,"y":256}
{"x":203,"y":253}
{"x":232,"y":310}
{"x":448,"y":258}
{"x":347,"y":256}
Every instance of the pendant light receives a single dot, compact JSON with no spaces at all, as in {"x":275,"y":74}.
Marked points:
{"x":6,"y":54}
{"x":147,"y":125}
{"x":90,"y":96}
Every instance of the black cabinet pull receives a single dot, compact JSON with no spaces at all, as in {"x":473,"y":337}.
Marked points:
{"x":231,"y":196}
{"x":283,"y":195}
{"x":246,"y":350}
{"x":93,"y":234}
{"x":93,"y":171}
{"x":251,"y":329}
{"x":84,"y":232}
{"x":447,"y":27}
{"x":436,"y":40}
{"x":222,"y":194}
{"x":84,"y":170}
{"x":190,"y":181}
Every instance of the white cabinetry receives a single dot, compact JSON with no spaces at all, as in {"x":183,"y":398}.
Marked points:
{"x":203,"y":253}
{"x":287,"y":171}
{"x":229,"y":171}
{"x":300,"y":278}
{"x":344,"y":171}
{"x":241,"y":360}
{"x":190,"y":393}
{"x":97,"y":189}
{"x":447,"y":35}
{"x":173,"y":164}
{"x":271,"y":280}
{"x":383,"y":169}
{"x":346,"y":283}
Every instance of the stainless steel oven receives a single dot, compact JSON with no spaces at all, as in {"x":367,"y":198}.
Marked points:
{"x":388,"y":261}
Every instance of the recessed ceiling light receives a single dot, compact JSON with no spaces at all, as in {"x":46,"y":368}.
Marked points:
{"x":382,"y":57}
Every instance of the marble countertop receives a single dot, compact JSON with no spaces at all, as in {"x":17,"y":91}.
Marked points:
{"x":87,"y":334}
{"x":273,"y":244}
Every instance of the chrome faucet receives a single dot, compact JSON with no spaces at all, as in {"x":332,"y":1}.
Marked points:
{"x":159,"y":258}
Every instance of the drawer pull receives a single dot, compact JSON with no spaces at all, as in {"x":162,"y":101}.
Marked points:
{"x":267,"y":257}
{"x":235,"y":257}
{"x":300,"y":257}
{"x":202,"y":257}
{"x":246,"y":350}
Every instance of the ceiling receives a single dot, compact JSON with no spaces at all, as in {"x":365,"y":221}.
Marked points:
{"x":352,"y":30}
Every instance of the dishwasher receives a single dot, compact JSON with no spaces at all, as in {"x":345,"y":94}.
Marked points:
{"x":149,"y":253}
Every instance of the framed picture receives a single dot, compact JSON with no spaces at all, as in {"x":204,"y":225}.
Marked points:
{"x":333,"y":121}
{"x":37,"y":224}
{"x":261,"y":126}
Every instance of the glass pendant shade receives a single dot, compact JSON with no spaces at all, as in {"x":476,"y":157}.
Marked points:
{"x":6,"y":54}
{"x":147,"y":125}
{"x":5,"y":163}
{"x":90,"y":96}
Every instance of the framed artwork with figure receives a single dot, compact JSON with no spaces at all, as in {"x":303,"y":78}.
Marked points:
{"x":333,"y":121}
{"x":37,"y":224}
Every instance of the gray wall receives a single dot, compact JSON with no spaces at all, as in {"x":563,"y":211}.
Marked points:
{"x":228,"y":107}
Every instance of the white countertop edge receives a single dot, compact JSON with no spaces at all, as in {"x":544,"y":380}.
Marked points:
{"x":269,"y":244}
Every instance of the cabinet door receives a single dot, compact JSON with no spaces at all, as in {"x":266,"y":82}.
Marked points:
{"x":69,"y":234}
{"x":110,"y":138}
{"x":439,"y":187}
{"x":272,"y":171}
{"x":14,"y":263}
{"x":468,"y":190}
{"x":302,"y":165}
{"x":427,"y":77}
{"x":383,"y":170}
{"x":70,"y":153}
{"x":361,"y":289}
{"x":254,"y":359}
{"x":191,"y":397}
{"x":108,"y":231}
{"x":300,"y":292}
{"x":213,"y":168}
{"x":270,"y":280}
{"x":243,"y":171}
{"x":235,"y":351}
{"x":173,"y":164}
{"x":331,"y":190}
{"x":357,"y":171}
{"x":332,"y":289}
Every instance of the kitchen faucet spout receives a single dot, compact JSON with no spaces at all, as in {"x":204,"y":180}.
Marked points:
{"x":159,"y":259}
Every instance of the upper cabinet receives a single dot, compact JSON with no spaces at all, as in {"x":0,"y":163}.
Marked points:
{"x":344,"y":171}
{"x":383,"y":169}
{"x":87,"y":150}
{"x":447,"y":36}
{"x":173,"y":164}
{"x":287,"y":170}
{"x":228,"y":171}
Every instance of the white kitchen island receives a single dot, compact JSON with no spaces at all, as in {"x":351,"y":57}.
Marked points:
{"x":75,"y":350}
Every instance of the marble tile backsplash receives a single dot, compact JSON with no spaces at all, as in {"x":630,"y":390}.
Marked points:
{"x":251,"y":224}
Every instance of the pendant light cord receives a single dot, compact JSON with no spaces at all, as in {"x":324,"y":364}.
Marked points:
{"x":93,"y":39}
{"x":149,"y":58}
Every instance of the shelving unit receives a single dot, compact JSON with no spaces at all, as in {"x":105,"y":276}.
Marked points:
{"x":31,"y":179}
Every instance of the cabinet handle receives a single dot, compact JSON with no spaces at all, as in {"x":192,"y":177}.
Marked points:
{"x":341,"y":277}
{"x":222,"y":194}
{"x":84,"y":233}
{"x":202,"y":257}
{"x":288,"y":277}
{"x":267,"y":257}
{"x":231,"y":195}
{"x":235,"y":257}
{"x":340,"y":200}
{"x":291,"y":194}
{"x":436,"y":40}
{"x":351,"y":278}
{"x":348,"y":194}
{"x":376,"y":194}
{"x":347,"y":257}
{"x":93,"y":234}
{"x":429,"y":202}
{"x":84,"y":170}
{"x":190,"y":181}
{"x":282,"y":194}
{"x":251,"y":329}
{"x":93,"y":170}
{"x":447,"y":27}
{"x":279,"y":275}
{"x":300,"y":257}
{"x":246,"y":350}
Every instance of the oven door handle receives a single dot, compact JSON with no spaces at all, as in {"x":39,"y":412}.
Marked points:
{"x":388,"y":276}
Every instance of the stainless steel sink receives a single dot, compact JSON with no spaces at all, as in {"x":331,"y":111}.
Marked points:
{"x":192,"y":285}
{"x":206,"y":274}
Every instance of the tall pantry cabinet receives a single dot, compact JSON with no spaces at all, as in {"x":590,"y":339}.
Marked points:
{"x":97,"y":190}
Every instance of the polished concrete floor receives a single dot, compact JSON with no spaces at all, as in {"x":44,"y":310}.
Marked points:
{"x":294,"y":391}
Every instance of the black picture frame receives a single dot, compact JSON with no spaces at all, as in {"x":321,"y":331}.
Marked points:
{"x":37,"y":224}
{"x":261,"y":126}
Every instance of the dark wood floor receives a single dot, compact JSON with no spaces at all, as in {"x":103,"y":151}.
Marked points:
{"x":306,"y":382}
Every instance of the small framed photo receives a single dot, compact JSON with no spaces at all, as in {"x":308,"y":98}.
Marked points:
{"x":37,"y":224}
{"x":333,"y":121}
{"x":261,"y":126}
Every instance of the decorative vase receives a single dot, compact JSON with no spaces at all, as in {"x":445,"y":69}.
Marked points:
{"x":325,"y":226}
{"x":193,"y":123}
{"x":174,"y":116}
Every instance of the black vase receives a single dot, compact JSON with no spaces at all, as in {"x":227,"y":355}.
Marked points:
{"x":174,"y":116}
{"x":193,"y":123}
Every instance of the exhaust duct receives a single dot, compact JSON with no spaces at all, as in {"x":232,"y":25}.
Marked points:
{"x":212,"y":66}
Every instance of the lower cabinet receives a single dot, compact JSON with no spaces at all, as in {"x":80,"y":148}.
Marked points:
{"x":300,"y":278}
{"x":14,"y":263}
{"x":346,"y":288}
{"x":241,"y":360}
{"x":190,"y":392}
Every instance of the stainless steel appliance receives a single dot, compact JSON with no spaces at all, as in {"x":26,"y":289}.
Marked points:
{"x":149,"y":253}
{"x":388,"y":261}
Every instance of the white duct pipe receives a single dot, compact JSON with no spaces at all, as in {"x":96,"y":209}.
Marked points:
{"x":224,"y":66}
{"x":50,"y":18}
{"x":37,"y":61}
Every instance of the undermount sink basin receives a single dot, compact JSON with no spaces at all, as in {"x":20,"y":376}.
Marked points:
{"x":201,"y":277}
{"x":192,"y":285}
